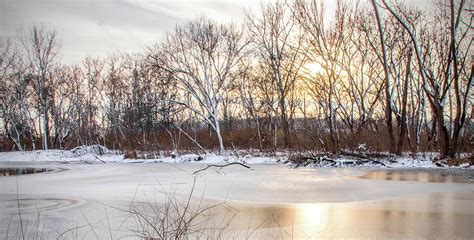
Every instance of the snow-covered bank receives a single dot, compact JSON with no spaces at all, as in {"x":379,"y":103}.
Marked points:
{"x":212,"y":158}
{"x":83,"y":154}
{"x":380,"y":159}
{"x":100,"y":154}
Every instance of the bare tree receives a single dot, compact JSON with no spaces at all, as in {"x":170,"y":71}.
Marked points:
{"x":360,"y":92}
{"x":254,"y":100}
{"x":115,"y":90}
{"x":65,"y":103}
{"x":93,"y":71}
{"x":388,"y":96}
{"x":40,"y":50}
{"x":273,"y":34}
{"x":15,"y":92}
{"x":310,"y":79}
{"x":200,"y":56}
{"x":325,"y":44}
{"x":449,"y":68}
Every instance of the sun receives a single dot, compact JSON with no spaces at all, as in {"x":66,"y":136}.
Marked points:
{"x":313,"y":68}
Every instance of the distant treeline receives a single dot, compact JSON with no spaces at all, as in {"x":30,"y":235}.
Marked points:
{"x":293,"y":76}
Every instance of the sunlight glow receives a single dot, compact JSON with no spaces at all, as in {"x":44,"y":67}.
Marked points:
{"x":313,"y":68}
{"x":312,"y":218}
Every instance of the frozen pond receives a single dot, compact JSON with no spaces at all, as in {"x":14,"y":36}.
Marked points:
{"x":269,"y":202}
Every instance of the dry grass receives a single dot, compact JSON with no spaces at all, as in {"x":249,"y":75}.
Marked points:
{"x":180,"y":218}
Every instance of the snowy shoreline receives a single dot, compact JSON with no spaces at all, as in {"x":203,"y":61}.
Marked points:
{"x":97,"y":154}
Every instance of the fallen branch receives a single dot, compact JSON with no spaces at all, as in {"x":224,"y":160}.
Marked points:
{"x":372,"y":161}
{"x":303,"y":161}
{"x":99,"y":159}
{"x":190,"y":138}
{"x":365,"y":155}
{"x":222,"y":166}
{"x":317,"y":160}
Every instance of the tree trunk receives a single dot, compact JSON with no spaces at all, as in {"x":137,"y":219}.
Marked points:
{"x":259,"y":134}
{"x":45,"y":127}
{"x":219,"y":135}
{"x":284,"y":124}
{"x":443,"y":135}
{"x":461,"y":107}
{"x":403,"y":117}
{"x":333,"y":122}
{"x":388,"y":97}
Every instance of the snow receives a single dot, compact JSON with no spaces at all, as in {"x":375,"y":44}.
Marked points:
{"x":209,"y":158}
{"x":93,"y":149}
{"x":84,"y":154}
{"x":100,"y":154}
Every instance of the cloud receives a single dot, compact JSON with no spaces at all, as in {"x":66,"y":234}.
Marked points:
{"x":99,"y":27}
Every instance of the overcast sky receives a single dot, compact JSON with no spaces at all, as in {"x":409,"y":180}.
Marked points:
{"x":99,"y":27}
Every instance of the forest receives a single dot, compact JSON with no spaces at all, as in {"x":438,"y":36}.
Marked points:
{"x":290,"y":76}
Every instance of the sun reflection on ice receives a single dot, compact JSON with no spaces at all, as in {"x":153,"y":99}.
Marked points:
{"x":311,"y":220}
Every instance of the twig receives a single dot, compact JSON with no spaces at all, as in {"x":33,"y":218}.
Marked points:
{"x":99,"y":159}
{"x":222,"y":166}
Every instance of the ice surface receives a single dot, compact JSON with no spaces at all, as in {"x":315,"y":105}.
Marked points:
{"x":90,"y":189}
{"x":313,"y":202}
